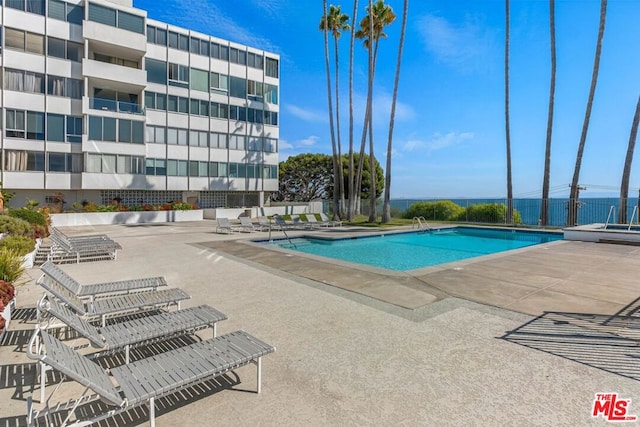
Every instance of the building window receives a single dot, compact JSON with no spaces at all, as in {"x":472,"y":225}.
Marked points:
{"x":238,"y":56}
{"x":199,"y":80}
{"x":129,"y":22}
{"x":270,"y":145}
{"x":24,"y":41}
{"x":64,"y":86}
{"x":254,"y":60}
{"x":271,"y":67}
{"x":178,"y":75}
{"x":102,"y":14}
{"x":156,"y":135}
{"x":237,"y":142}
{"x":238,"y":113}
{"x":65,"y":49}
{"x":270,"y":94}
{"x":237,"y":87}
{"x":156,"y":71}
{"x":156,"y":35}
{"x":15,"y":124}
{"x":199,"y":138}
{"x":35,"y":125}
{"x":32,"y":6}
{"x":74,"y":129}
{"x":177,"y":136}
{"x":255,"y":144}
{"x":55,"y":127}
{"x":64,"y":162}
{"x":19,"y":161}
{"x":219,"y":83}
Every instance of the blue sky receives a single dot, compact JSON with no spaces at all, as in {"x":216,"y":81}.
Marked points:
{"x":449,"y":138}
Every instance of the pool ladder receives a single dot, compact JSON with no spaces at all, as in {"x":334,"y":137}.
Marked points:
{"x":285,"y":234}
{"x":612,"y":211}
{"x":422,"y":223}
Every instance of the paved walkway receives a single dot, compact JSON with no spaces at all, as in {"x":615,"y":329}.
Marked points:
{"x":444,"y":346}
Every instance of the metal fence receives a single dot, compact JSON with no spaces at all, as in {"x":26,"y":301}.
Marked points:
{"x":590,"y":210}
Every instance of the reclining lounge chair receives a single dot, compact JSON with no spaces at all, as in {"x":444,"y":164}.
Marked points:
{"x":113,"y":305}
{"x":82,"y":248}
{"x":123,"y":336}
{"x":53,"y":272}
{"x":143,"y":381}
{"x":224,"y":226}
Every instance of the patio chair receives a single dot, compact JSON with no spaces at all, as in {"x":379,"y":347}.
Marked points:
{"x":83,"y":248}
{"x":247,"y":225}
{"x":314,"y":223}
{"x":113,"y":305}
{"x":264,"y":223}
{"x":297,"y":222}
{"x":282,"y":223}
{"x":122,"y":336}
{"x":224,"y":226}
{"x":141,"y":382}
{"x":325,"y":219}
{"x":98,"y":289}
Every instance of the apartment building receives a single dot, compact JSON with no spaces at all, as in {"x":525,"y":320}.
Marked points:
{"x":99,"y":102}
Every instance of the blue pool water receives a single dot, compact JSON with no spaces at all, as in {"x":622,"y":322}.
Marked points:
{"x":408,"y":251}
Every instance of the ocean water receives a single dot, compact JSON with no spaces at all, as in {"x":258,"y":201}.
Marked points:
{"x":591,"y":209}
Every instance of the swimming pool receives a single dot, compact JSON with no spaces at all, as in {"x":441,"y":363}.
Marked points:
{"x":409,"y":251}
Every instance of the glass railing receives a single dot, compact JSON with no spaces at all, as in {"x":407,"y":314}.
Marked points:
{"x":115,"y":106}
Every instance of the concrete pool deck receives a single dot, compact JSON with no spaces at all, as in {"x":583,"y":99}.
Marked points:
{"x":363,"y":347}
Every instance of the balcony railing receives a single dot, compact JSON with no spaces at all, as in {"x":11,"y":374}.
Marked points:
{"x":115,"y":106}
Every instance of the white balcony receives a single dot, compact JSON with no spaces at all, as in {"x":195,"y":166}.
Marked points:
{"x":117,"y":77}
{"x":116,"y":37}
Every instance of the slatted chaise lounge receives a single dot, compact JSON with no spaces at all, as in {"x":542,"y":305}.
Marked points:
{"x":82,"y":248}
{"x":247,"y":225}
{"x":122,"y":336}
{"x":331,"y":223}
{"x":112,"y":305}
{"x":53,"y":272}
{"x":224,"y":226}
{"x":143,"y":381}
{"x":314,"y":223}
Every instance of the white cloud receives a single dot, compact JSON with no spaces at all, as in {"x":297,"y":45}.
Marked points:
{"x":308,"y":142}
{"x":438,"y":141}
{"x":284,"y":145}
{"x":466,"y":46}
{"x":306,"y":115}
{"x":271,"y":7}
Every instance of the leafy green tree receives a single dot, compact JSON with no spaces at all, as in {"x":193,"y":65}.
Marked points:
{"x":365,"y":187}
{"x":305,"y":177}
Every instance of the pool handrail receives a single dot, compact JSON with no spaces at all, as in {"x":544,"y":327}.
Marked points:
{"x":612,"y":210}
{"x":633,"y":214}
{"x":420,"y":220}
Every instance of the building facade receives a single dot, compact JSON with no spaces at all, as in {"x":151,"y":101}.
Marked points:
{"x":99,"y":102}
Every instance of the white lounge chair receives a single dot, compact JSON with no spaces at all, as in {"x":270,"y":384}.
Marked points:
{"x":141,"y":382}
{"x":326,"y":220}
{"x":113,"y":305}
{"x":224,"y":226}
{"x":122,"y":336}
{"x":98,"y":289}
{"x":247,"y":225}
{"x":81,"y":248}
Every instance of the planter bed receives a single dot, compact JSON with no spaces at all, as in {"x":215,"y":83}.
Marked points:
{"x":131,"y":217}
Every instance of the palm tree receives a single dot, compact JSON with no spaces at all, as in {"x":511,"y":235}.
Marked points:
{"x":379,"y":15}
{"x":506,"y":117}
{"x":336,"y":22}
{"x":324,"y":26}
{"x":572,"y":214}
{"x":544,"y":210}
{"x":386,"y":207}
{"x":351,"y":183}
{"x":624,"y":186}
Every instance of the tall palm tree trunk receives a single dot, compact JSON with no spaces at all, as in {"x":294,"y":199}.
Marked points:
{"x":624,"y":186}
{"x":572,"y":214}
{"x":331,"y":125}
{"x":506,"y":118}
{"x":386,"y":207}
{"x":351,"y":210}
{"x":340,"y":174}
{"x":373,"y":215}
{"x":544,"y":209}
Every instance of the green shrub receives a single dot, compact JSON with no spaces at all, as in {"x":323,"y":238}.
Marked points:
{"x":442,"y":210}
{"x":15,"y":226}
{"x":10,"y":265}
{"x":488,"y":212}
{"x":21,"y":244}
{"x":182,"y":206}
{"x":32,"y":217}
